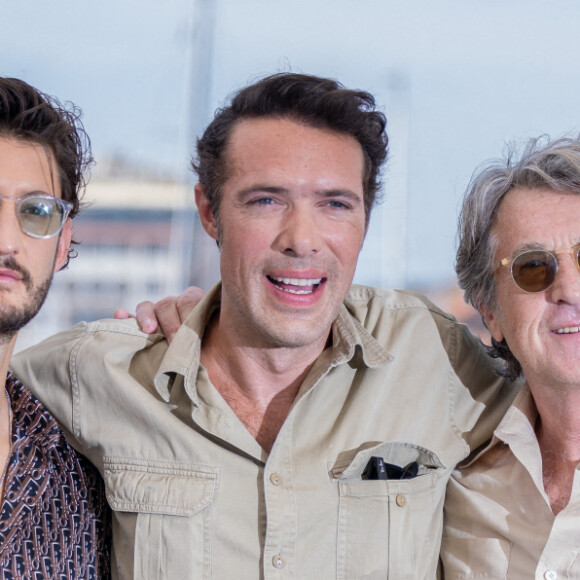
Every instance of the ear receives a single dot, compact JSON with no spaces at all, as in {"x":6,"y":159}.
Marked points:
{"x":63,"y":245}
{"x":205,"y":214}
{"x":493,"y":323}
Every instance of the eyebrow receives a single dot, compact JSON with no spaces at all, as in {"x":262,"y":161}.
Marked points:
{"x":324,"y":193}
{"x":535,"y":246}
{"x":28,"y":194}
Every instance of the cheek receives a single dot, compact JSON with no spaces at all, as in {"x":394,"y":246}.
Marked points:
{"x":522,"y":323}
{"x":346,"y":245}
{"x":245,"y":238}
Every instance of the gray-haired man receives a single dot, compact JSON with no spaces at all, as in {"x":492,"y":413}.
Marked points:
{"x":513,"y":512}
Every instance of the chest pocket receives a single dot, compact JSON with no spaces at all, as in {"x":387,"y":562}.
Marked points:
{"x":390,"y":528}
{"x":162,"y":517}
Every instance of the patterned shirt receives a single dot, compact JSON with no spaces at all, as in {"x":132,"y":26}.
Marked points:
{"x":54,"y":521}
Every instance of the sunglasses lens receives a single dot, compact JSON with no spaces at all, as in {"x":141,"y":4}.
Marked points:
{"x":534,"y":271}
{"x":41,"y":216}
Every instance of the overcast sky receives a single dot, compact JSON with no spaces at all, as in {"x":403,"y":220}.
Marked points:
{"x":456,"y":79}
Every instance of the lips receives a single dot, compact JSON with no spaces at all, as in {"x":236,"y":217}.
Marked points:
{"x":299,"y":286}
{"x":9,"y":275}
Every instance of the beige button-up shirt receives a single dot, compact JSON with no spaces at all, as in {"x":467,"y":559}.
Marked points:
{"x":194,"y":495}
{"x":498,"y":519}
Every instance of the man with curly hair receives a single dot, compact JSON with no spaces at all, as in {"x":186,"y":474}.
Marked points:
{"x":54,"y":521}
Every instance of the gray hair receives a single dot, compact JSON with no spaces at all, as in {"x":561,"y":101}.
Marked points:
{"x":543,"y":163}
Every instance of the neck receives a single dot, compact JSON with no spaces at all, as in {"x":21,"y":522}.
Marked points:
{"x":558,"y":434}
{"x":6,"y":349}
{"x":259,"y":384}
{"x":559,"y":423}
{"x":257,"y":370}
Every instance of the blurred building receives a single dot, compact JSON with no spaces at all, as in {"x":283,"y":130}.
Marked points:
{"x":135,"y":239}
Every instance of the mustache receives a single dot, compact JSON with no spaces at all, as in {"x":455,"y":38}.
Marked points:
{"x":10,"y":263}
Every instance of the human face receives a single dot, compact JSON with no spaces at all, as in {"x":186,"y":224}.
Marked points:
{"x":542,"y":329}
{"x":291,"y":226}
{"x":26,"y":263}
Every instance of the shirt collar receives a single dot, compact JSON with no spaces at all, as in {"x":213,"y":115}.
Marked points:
{"x":520,"y":418}
{"x":516,"y":425}
{"x":348,"y":333}
{"x":183,"y":354}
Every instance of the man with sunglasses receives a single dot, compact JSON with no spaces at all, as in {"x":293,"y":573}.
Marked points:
{"x":54,"y":521}
{"x":512,"y":512}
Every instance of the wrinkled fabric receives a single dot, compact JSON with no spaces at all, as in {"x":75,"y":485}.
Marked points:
{"x":194,"y":495}
{"x":498,"y":522}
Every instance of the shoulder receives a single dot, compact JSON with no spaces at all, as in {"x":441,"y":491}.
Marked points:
{"x":102,"y":335}
{"x":369,"y":299}
{"x":386,"y":310}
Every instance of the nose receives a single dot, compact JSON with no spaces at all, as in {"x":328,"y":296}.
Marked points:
{"x":10,"y":232}
{"x":566,"y":287}
{"x":299,"y":235}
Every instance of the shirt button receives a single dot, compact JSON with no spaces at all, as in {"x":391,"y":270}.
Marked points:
{"x":276,"y":478}
{"x":278,"y":561}
{"x":401,"y":500}
{"x":550,"y":575}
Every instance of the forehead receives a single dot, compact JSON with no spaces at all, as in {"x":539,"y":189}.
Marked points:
{"x":271,"y":146}
{"x":537,"y":216}
{"x":26,"y":167}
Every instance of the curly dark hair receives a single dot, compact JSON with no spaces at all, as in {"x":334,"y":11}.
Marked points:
{"x":318,"y":102}
{"x":32,"y":116}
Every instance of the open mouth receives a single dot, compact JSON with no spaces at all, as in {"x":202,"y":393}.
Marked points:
{"x":296,"y":285}
{"x":568,"y":330}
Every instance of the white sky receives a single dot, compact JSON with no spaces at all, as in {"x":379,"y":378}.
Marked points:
{"x":475,"y":73}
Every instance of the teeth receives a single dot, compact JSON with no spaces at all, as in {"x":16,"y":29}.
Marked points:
{"x":295,"y":291}
{"x":568,"y":330}
{"x":298,"y":281}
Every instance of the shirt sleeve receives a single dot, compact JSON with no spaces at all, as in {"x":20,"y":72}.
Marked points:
{"x":46,"y":370}
{"x":483,"y":395}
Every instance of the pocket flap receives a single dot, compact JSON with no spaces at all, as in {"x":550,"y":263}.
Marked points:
{"x":144,"y":486}
{"x":397,"y":453}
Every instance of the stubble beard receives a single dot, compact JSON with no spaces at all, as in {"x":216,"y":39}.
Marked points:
{"x":12,"y":319}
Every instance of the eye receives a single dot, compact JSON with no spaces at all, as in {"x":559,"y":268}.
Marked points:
{"x":531,"y":264}
{"x":335,"y":204}
{"x":36,"y":209}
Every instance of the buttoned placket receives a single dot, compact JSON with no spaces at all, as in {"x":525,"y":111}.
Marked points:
{"x":560,"y":558}
{"x":280,"y":500}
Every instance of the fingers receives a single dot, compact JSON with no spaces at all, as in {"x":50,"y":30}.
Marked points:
{"x":165,"y":315}
{"x":168,"y":316}
{"x":121,"y":314}
{"x":187,"y":301}
{"x":146,"y":317}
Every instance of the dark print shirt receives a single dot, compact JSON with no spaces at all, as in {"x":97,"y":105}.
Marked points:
{"x":54,"y":523}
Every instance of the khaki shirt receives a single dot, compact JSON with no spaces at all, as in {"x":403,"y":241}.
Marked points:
{"x":194,"y":495}
{"x":498,"y":519}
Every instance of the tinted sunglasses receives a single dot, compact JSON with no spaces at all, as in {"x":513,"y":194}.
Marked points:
{"x":40,"y":216}
{"x":536,"y":270}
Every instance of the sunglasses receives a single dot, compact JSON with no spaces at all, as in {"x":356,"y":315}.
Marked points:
{"x":536,"y":270}
{"x":39,"y":215}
